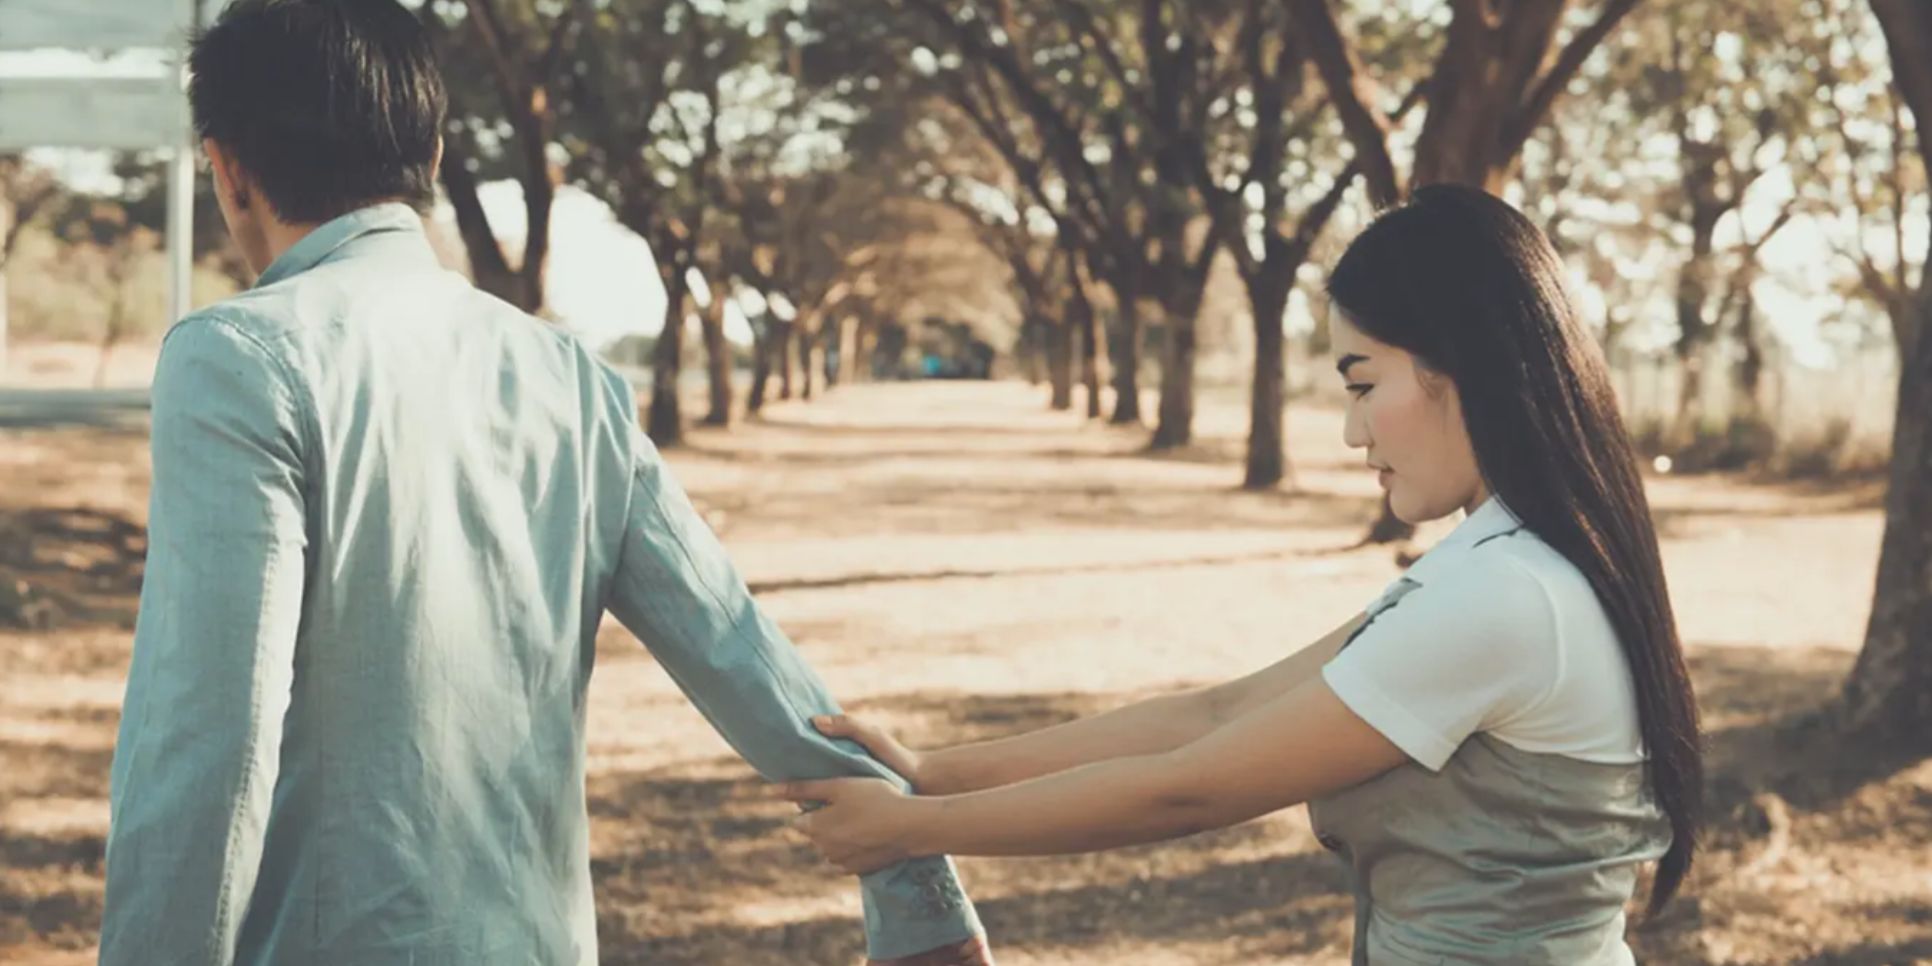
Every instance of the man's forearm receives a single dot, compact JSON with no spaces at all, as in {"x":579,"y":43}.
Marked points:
{"x":676,"y":589}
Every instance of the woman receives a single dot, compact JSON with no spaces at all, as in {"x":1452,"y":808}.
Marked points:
{"x":1503,"y":737}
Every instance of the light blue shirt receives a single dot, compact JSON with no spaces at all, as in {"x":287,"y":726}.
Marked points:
{"x":389,"y":513}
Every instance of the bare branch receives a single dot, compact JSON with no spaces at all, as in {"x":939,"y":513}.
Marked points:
{"x":1543,"y":96}
{"x":1081,"y":17}
{"x":504,"y":66}
{"x":1354,"y":95}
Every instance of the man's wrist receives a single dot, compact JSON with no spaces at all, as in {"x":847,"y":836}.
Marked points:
{"x":967,"y":952}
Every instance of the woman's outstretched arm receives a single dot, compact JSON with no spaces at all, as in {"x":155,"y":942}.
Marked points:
{"x":1298,"y":746}
{"x":1146,"y":727}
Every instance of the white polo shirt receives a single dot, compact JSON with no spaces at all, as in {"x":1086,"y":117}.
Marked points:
{"x":1492,"y":631}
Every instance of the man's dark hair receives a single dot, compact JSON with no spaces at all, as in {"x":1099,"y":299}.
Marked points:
{"x":327,"y":105}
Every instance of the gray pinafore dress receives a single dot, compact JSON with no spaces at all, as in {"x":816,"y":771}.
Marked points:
{"x":1503,"y":856}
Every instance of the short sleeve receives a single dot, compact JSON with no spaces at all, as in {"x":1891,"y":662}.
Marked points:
{"x":1468,"y":651}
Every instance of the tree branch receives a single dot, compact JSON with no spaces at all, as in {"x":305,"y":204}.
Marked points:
{"x":1354,"y":95}
{"x":1526,"y":118}
{"x":505,"y":69}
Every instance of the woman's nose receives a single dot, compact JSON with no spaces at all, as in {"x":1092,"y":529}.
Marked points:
{"x":1355,"y":428}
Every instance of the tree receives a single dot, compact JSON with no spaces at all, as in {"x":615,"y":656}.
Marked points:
{"x":1096,"y":106}
{"x":1498,"y":72}
{"x":717,"y":352}
{"x":520,"y":50}
{"x":1727,"y":90}
{"x":25,"y":192}
{"x":1272,"y":144}
{"x":1889,"y":691}
{"x":1869,"y":164}
{"x":644,"y":136}
{"x":106,"y":249}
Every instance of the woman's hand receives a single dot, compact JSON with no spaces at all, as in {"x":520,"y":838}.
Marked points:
{"x":863,"y":825}
{"x":910,"y":765}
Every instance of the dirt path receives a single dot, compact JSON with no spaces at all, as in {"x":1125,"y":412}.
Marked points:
{"x":959,"y":562}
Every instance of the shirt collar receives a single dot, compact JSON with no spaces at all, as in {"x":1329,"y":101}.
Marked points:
{"x":329,"y":238}
{"x":1493,"y":518}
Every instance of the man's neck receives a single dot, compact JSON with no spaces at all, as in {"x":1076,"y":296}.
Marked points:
{"x":280,"y":237}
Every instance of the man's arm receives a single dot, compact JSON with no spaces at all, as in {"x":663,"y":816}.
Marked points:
{"x":201,"y":728}
{"x":676,"y":590}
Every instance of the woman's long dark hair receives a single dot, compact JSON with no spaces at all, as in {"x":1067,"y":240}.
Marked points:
{"x":1475,"y":292}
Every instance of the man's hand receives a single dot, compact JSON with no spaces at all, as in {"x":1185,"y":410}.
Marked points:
{"x":972,"y":952}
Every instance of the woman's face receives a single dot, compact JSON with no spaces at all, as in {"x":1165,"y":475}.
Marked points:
{"x":1410,"y":422}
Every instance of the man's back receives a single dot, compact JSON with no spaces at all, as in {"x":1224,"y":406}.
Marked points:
{"x":463,"y":478}
{"x":388,"y":514}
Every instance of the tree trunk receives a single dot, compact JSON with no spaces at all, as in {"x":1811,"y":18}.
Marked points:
{"x":863,"y":348}
{"x":848,"y":336}
{"x":1487,"y":65}
{"x":489,"y":269}
{"x":782,"y":336}
{"x":1031,"y":348}
{"x":717,"y":351}
{"x":1890,"y":688}
{"x":828,"y":359}
{"x":1090,"y":353}
{"x":1127,"y":351}
{"x":1176,"y":424}
{"x":806,"y":343}
{"x":1694,"y":329}
{"x":1750,"y":366}
{"x":100,"y":362}
{"x":1059,"y":361}
{"x":1085,"y":327}
{"x":665,"y":424}
{"x":761,"y":344}
{"x":539,"y":196}
{"x":1267,"y":454}
{"x":1889,"y":692}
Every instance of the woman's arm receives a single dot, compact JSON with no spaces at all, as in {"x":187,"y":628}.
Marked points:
{"x":1146,"y":727}
{"x":1300,"y":745}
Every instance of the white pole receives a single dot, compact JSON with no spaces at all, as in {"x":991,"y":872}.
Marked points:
{"x":6,"y":220}
{"x":181,"y":199}
{"x":3,"y":313}
{"x":181,"y":214}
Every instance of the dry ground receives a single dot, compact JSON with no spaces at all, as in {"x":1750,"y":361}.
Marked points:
{"x":959,"y":563}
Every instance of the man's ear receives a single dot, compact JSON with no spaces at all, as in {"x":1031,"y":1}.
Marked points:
{"x":229,"y":180}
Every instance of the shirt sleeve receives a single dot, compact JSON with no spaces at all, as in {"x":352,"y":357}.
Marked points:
{"x":201,"y":727}
{"x":678,"y":592}
{"x":1469,"y":651}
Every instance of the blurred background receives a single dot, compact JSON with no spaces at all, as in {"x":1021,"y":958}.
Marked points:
{"x":988,"y":334}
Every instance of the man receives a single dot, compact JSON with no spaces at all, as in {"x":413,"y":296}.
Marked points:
{"x":388,"y":515}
